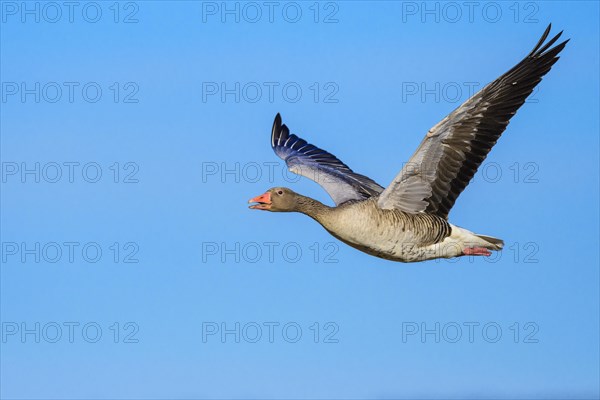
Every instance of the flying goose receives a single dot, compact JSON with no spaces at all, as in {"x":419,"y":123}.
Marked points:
{"x":408,"y":220}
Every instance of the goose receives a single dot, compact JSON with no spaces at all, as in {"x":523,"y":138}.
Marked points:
{"x":408,"y":220}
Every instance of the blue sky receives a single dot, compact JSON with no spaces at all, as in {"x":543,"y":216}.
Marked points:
{"x":145,"y":127}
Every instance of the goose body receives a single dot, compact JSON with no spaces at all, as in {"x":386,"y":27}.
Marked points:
{"x":399,"y":236}
{"x":408,"y":220}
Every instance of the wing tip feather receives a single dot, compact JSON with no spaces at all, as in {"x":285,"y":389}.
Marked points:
{"x":279,"y":132}
{"x":276,"y":129}
{"x":542,"y":47}
{"x":542,"y":40}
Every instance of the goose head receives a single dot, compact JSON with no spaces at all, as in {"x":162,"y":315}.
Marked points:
{"x":277,"y":199}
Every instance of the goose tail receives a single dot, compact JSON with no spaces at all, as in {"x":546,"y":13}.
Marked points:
{"x":467,"y":238}
{"x":494,"y":243}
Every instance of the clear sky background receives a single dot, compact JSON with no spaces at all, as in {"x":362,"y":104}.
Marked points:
{"x":179,"y":160}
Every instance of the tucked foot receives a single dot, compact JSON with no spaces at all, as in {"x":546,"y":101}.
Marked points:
{"x":476,"y":251}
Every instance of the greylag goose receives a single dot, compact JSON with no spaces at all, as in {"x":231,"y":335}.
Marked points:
{"x":408,"y":220}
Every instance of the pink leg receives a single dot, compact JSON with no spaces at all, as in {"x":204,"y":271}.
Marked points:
{"x":476,"y":251}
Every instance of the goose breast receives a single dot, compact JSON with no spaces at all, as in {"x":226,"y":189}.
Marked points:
{"x":390,"y":234}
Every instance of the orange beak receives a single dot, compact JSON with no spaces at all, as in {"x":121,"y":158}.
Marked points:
{"x":264,"y":202}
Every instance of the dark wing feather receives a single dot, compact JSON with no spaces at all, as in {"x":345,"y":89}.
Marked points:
{"x":307,"y":160}
{"x":452,"y":150}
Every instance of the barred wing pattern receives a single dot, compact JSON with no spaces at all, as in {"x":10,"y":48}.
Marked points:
{"x":307,"y":160}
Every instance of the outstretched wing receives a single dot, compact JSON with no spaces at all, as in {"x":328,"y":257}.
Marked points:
{"x":307,"y":160}
{"x":453,"y":149}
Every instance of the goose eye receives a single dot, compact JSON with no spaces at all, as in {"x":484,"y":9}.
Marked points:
{"x":280,"y":192}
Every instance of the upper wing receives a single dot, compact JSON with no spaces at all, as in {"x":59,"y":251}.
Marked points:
{"x":307,"y":160}
{"x":452,"y":150}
